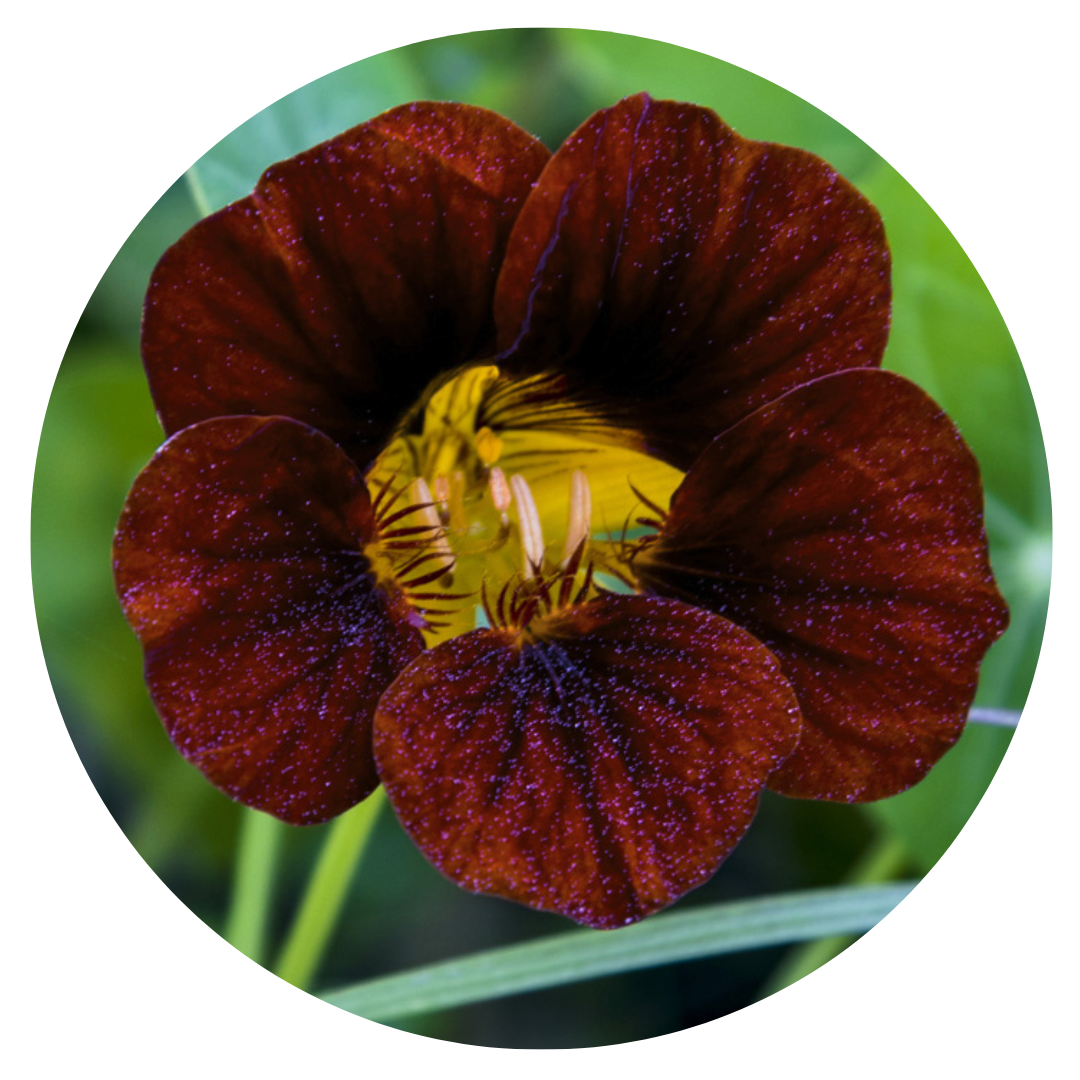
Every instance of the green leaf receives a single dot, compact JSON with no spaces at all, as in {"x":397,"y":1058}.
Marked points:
{"x":882,"y":861}
{"x":99,"y":431}
{"x":114,"y":309}
{"x":588,"y":954}
{"x":928,"y":817}
{"x":948,"y":336}
{"x":300,"y":120}
{"x":612,"y":66}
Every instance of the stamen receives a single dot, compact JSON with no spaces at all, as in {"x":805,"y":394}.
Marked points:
{"x":441,"y":489}
{"x":579,"y":527}
{"x":429,"y":515}
{"x":532,"y":536}
{"x":500,"y":492}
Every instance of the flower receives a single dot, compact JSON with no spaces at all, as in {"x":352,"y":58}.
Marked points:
{"x":562,"y":495}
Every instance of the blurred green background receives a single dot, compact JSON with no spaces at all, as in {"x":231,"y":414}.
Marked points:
{"x":100,"y":430}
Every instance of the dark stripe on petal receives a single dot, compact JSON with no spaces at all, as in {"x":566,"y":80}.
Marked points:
{"x":238,"y":564}
{"x":600,"y":770}
{"x":683,"y":275}
{"x":354,"y":274}
{"x":842,"y":525}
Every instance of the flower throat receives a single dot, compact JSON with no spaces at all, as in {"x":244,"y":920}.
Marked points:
{"x":505,"y":505}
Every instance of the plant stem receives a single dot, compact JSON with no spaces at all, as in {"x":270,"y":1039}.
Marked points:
{"x":318,"y":914}
{"x":253,"y":883}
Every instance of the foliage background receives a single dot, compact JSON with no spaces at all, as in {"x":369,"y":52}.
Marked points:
{"x":100,"y":430}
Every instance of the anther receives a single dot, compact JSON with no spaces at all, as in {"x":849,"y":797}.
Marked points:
{"x":532,"y":536}
{"x":429,"y":516}
{"x":488,"y":446}
{"x":580,"y":522}
{"x":500,"y":492}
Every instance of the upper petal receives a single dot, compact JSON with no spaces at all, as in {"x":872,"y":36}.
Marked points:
{"x":238,"y":563}
{"x":600,"y":770}
{"x":684,"y":276}
{"x":352,"y":275}
{"x":842,"y":525}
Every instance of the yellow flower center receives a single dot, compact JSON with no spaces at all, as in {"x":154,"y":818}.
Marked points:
{"x":502,"y":487}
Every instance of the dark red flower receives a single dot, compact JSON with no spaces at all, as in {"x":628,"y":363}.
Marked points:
{"x":433,"y":395}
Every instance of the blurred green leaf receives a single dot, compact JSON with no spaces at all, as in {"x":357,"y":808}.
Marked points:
{"x":882,"y":861}
{"x":300,"y":120}
{"x":523,"y":74}
{"x":949,"y":337}
{"x":99,"y":431}
{"x":928,"y":817}
{"x":664,"y":939}
{"x":115,"y":308}
{"x":613,"y":66}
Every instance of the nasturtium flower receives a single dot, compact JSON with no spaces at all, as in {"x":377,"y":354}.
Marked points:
{"x":560,"y":494}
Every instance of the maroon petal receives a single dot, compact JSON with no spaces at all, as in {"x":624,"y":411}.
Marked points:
{"x":238,"y":563}
{"x":842,"y":525}
{"x":600,"y":769}
{"x":352,"y":275}
{"x":683,"y":275}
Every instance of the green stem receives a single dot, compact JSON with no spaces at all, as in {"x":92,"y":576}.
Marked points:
{"x":883,"y":860}
{"x":253,"y":883}
{"x":326,"y":891}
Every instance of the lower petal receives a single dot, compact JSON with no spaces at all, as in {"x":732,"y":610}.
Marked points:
{"x":599,"y":766}
{"x":842,"y":525}
{"x":239,"y":564}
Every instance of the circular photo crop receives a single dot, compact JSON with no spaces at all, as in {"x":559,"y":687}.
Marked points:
{"x":541,"y":538}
